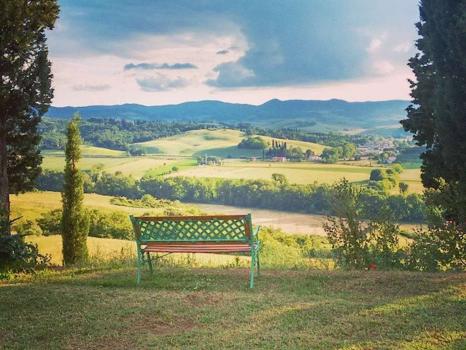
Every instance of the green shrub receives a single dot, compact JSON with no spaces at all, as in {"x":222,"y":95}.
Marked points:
{"x":358,"y":243}
{"x":440,"y":247}
{"x":110,"y":225}
{"x":16,"y":255}
{"x":28,"y":228}
{"x":284,"y":250}
{"x":50,"y":222}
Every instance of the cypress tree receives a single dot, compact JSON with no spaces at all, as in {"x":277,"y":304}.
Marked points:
{"x":437,"y":115}
{"x":25,"y":94}
{"x":75,"y":223}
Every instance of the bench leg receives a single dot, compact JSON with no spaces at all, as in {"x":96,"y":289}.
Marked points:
{"x":149,"y":260}
{"x":253,"y":267}
{"x":258,"y":265}
{"x":139,"y":265}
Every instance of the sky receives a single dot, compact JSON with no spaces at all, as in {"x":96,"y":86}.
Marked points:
{"x":157,"y":52}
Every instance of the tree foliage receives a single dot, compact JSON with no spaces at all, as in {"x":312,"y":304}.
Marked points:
{"x":437,"y":115}
{"x":75,"y":222}
{"x":253,"y":142}
{"x":25,"y":93}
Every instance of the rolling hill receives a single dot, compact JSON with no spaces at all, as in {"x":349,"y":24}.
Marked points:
{"x":316,"y":115}
{"x":219,"y":142}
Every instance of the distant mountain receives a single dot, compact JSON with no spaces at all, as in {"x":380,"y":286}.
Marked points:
{"x":307,"y":114}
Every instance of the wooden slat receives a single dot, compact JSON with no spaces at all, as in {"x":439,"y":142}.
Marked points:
{"x":196,"y":248}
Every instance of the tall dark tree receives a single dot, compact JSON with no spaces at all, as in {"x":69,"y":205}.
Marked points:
{"x":75,"y":222}
{"x":437,"y":115}
{"x":25,"y":94}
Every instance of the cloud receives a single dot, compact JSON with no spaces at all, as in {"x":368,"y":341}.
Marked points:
{"x":230,"y":75}
{"x":374,"y":45}
{"x":89,"y":87}
{"x":152,"y":66}
{"x":161,"y":83}
{"x":286,"y":43}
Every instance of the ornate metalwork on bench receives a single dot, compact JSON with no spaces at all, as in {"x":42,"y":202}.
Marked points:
{"x":196,"y":234}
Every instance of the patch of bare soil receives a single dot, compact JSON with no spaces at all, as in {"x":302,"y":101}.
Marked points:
{"x":136,"y":326}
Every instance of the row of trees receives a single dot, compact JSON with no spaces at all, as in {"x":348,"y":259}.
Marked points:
{"x":346,"y":151}
{"x":327,"y":139}
{"x":276,"y":194}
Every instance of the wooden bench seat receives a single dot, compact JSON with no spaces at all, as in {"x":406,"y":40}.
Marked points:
{"x":196,"y":248}
{"x":217,"y":234}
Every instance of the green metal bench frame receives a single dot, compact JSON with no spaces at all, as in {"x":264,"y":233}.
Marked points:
{"x":218,"y":234}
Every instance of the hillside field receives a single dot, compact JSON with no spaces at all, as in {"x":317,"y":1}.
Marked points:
{"x":221,"y":143}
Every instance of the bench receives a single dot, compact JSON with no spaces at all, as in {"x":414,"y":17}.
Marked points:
{"x":218,"y":234}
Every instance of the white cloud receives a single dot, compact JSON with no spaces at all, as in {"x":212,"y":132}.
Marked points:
{"x":403,"y":47}
{"x":161,"y":82}
{"x":374,"y":45}
{"x":383,"y":67}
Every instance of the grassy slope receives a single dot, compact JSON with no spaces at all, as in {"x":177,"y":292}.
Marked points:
{"x":135,"y":166}
{"x":92,"y":151}
{"x":32,"y":204}
{"x":191,"y":308}
{"x":211,"y":142}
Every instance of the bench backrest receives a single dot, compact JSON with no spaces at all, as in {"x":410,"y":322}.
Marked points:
{"x":212,"y":228}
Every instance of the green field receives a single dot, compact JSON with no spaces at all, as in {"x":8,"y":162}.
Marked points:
{"x":301,"y":173}
{"x":222,"y":143}
{"x":199,"y":308}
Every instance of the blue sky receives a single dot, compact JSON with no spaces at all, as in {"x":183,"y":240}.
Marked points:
{"x":161,"y":51}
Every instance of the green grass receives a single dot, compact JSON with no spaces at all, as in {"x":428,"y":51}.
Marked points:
{"x":221,"y":142}
{"x":166,"y":169}
{"x":134,"y":166}
{"x":193,"y":308}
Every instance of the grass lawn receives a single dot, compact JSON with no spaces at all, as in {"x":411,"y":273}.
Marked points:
{"x":193,"y":308}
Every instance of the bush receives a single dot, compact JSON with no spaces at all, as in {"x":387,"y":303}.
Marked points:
{"x":50,"y":222}
{"x":16,"y":255}
{"x":378,"y":175}
{"x":101,"y":224}
{"x":357,"y":243}
{"x":110,"y":225}
{"x":442,"y":247}
{"x":28,"y":228}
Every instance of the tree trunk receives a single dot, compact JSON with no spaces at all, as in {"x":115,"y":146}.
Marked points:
{"x":4,"y":189}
